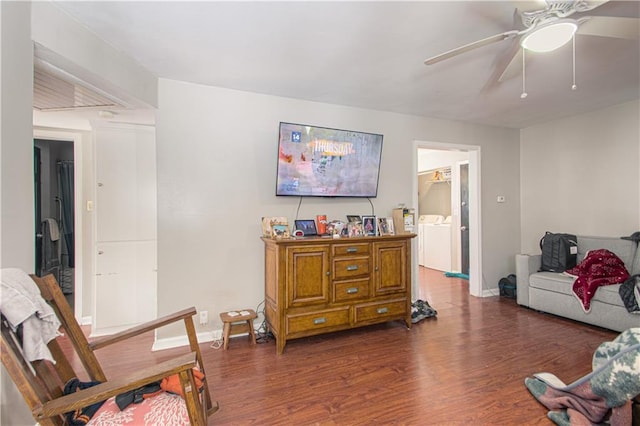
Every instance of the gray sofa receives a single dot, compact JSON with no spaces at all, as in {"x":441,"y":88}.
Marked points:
{"x":551,"y":292}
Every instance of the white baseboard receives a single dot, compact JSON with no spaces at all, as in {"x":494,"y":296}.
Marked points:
{"x":491,"y":292}
{"x":203,"y":337}
{"x":175,"y":342}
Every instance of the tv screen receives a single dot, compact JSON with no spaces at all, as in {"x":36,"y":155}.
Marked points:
{"x":322,"y":162}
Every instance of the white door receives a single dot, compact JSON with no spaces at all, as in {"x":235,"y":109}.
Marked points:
{"x":125,"y":223}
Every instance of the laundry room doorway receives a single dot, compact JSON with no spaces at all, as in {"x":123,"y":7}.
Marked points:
{"x":447,"y":210}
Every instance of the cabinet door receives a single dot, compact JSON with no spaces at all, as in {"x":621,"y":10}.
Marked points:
{"x":390,"y":271}
{"x":126,"y":196}
{"x":124,"y":292}
{"x":307,"y":275}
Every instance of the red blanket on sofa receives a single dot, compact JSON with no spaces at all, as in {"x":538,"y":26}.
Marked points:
{"x":598,"y":268}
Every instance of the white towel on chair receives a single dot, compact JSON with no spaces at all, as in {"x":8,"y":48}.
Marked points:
{"x":54,"y":229}
{"x":21,"y":303}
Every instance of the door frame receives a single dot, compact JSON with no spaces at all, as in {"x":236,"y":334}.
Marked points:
{"x":475,"y":208}
{"x":76,"y":138}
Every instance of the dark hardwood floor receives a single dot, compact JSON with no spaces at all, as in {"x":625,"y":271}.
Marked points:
{"x":467,"y":366}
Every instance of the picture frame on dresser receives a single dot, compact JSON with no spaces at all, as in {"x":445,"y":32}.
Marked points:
{"x":280,"y":231}
{"x":354,"y":229}
{"x":370,"y":226}
{"x":392,"y":230}
{"x":385,"y":226}
{"x":353,"y":218}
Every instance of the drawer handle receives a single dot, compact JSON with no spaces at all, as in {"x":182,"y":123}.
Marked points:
{"x":352,"y":250}
{"x":352,"y":268}
{"x":319,"y":320}
{"x":352,"y":290}
{"x":383,"y":310}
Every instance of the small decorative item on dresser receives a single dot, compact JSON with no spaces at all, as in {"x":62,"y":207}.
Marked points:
{"x":322,"y":224}
{"x":269,"y":222}
{"x":308,"y":227}
{"x":353,"y":218}
{"x":336,"y":227}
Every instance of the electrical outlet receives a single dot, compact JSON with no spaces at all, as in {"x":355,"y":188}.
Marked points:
{"x":204,"y":317}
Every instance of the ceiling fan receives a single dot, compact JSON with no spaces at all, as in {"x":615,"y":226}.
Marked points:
{"x":544,"y":30}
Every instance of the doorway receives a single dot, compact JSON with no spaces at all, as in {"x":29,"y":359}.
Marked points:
{"x":58,"y":230}
{"x":464,"y":218}
{"x":462,"y":162}
{"x":55,"y":225}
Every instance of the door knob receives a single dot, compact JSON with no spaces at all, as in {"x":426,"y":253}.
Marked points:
{"x":463,"y":228}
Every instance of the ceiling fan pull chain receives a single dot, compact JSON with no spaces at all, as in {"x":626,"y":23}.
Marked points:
{"x":574,"y":87}
{"x":524,"y":89}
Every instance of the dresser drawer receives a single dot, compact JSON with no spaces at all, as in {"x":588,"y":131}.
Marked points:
{"x":350,"y":267}
{"x":380,"y":311}
{"x":345,"y":291}
{"x":317,"y":320}
{"x":358,"y":249}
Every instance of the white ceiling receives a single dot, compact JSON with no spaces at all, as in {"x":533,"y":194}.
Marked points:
{"x":370,"y":54}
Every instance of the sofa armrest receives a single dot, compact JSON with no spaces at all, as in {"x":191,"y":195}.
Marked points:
{"x":526,"y":264}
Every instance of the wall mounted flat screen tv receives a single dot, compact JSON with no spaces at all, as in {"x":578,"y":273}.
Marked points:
{"x":323,"y":162}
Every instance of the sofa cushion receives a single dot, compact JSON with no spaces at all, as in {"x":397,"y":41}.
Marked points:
{"x":561,"y":283}
{"x":624,"y":249}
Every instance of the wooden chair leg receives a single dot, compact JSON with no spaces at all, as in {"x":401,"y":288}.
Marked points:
{"x":252,"y":333}
{"x":225,"y":335}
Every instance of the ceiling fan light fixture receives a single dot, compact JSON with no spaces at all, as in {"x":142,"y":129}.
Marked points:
{"x":550,"y":37}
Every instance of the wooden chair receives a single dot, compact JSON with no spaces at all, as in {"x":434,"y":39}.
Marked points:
{"x":41,"y":382}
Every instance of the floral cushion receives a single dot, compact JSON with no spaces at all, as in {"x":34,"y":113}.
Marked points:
{"x":163,"y":409}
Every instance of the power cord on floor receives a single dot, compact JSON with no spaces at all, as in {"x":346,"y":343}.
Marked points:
{"x":217,"y":343}
{"x":263,"y":335}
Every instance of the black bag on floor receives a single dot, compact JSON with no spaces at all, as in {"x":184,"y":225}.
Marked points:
{"x":559,"y":252}
{"x":507,"y":286}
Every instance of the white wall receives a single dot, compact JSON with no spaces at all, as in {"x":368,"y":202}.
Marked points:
{"x":16,"y":158}
{"x":62,"y":42}
{"x":17,"y":143}
{"x":429,"y":159}
{"x":217,"y":152}
{"x":581,"y":175}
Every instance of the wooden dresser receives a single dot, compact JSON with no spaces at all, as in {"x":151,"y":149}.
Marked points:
{"x":321,"y":285}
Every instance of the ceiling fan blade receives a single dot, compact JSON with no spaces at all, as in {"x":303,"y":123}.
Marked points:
{"x":596,"y":3}
{"x":622,"y":9}
{"x":470,"y":46}
{"x":502,"y":63}
{"x":514,"y":66}
{"x":605,"y":26}
{"x":528,"y":5}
